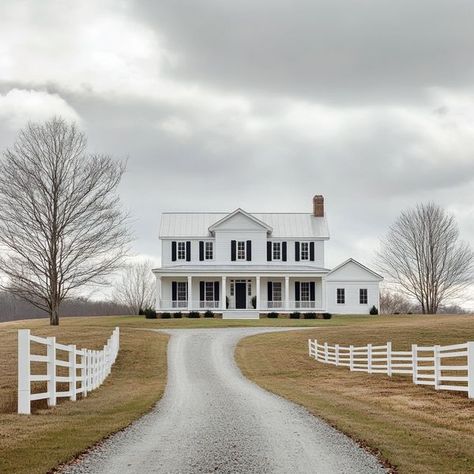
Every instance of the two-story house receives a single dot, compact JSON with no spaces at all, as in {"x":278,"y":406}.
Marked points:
{"x":244,"y":264}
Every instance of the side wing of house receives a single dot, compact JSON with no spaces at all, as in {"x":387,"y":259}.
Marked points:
{"x":352,"y":288}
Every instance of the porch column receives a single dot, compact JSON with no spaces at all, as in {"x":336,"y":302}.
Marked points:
{"x":258,"y":293}
{"x":158,"y":293}
{"x":323,"y":293}
{"x":190,"y":293}
{"x":223,"y":293}
{"x":287,"y":292}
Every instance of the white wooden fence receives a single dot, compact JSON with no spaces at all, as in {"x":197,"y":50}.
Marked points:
{"x":86,"y":369}
{"x":443,"y":367}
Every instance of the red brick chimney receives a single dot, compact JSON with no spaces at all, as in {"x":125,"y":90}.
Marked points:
{"x":318,"y":206}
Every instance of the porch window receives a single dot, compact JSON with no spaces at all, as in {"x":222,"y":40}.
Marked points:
{"x":209,"y":251}
{"x":304,"y":250}
{"x":209,"y":291}
{"x":181,"y":250}
{"x":340,"y":296}
{"x":304,"y":291}
{"x":276,"y":291}
{"x":363,"y":296}
{"x":241,"y":250}
{"x":276,"y":251}
{"x":182,"y":291}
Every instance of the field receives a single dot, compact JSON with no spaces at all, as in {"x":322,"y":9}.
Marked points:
{"x":415,"y":429}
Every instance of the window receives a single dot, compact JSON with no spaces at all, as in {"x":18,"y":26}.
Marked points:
{"x":363,"y":296}
{"x":276,"y":291}
{"x":241,"y":250}
{"x":181,"y":253}
{"x":304,"y":250}
{"x":304,"y":292}
{"x":182,"y":291}
{"x":209,"y":291}
{"x":249,"y":287}
{"x":209,"y":251}
{"x":231,"y":287}
{"x":276,"y":254}
{"x":340,"y":296}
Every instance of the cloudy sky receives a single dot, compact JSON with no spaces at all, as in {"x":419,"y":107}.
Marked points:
{"x":258,"y":104}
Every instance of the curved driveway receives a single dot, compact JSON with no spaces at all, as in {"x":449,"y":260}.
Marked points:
{"x":212,"y":419}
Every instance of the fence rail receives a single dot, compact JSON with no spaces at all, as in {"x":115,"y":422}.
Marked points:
{"x":87,"y":369}
{"x":443,"y":367}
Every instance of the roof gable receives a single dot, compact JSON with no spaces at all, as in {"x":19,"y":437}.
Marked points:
{"x":240,"y":220}
{"x":352,"y":270}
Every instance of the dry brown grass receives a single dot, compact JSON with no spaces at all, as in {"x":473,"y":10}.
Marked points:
{"x":38,"y":443}
{"x":417,"y":429}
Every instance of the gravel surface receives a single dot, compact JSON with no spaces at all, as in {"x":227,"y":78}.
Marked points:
{"x":212,"y":419}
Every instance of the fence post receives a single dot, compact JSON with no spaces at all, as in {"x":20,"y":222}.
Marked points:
{"x":72,"y":373}
{"x":51,"y":370}
{"x":470,"y":369}
{"x":414,"y":362}
{"x":337,"y":355}
{"x":316,"y":349}
{"x":84,"y":372}
{"x":309,"y":347}
{"x":437,"y":363}
{"x":351,"y":357}
{"x":369,"y":358}
{"x":24,"y":372}
{"x":325,"y":352}
{"x":389,"y":358}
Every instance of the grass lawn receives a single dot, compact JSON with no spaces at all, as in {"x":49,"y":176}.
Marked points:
{"x":416,"y":429}
{"x":38,"y":443}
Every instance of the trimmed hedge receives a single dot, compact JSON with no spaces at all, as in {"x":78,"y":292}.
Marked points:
{"x":149,"y":313}
{"x":309,"y":316}
{"x":194,"y":314}
{"x":165,"y":315}
{"x":178,"y":315}
{"x":295,"y":315}
{"x":209,"y":314}
{"x":272,"y":315}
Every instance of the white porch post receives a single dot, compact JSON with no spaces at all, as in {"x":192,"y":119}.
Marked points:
{"x":158,"y":293}
{"x":287,"y":292}
{"x":323,"y":293}
{"x":190,"y":293}
{"x":258,"y":293}
{"x":223,"y":294}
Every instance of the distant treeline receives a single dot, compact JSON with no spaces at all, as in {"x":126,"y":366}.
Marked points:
{"x":12,"y":308}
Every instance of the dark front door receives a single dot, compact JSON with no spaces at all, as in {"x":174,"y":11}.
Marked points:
{"x":240,"y":295}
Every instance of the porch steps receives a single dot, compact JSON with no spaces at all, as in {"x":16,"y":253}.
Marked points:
{"x":239,"y":314}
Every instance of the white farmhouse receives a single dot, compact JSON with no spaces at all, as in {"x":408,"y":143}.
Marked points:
{"x":245,"y":264}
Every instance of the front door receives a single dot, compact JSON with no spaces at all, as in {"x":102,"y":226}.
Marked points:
{"x":240,"y":295}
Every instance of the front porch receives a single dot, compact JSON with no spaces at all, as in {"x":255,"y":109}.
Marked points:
{"x":241,"y":294}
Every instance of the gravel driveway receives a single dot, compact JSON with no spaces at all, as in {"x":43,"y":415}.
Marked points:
{"x":212,"y":419}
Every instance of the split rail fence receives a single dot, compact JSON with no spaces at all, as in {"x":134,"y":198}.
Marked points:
{"x":86,"y":369}
{"x":443,"y":367}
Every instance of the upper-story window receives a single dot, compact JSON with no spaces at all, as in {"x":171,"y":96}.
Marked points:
{"x":181,"y":250}
{"x":241,"y":255}
{"x":340,"y":296}
{"x":209,"y":251}
{"x":304,"y":250}
{"x":363,"y":296}
{"x":276,"y":250}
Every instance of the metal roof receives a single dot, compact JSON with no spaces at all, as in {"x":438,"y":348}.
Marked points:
{"x":289,"y":225}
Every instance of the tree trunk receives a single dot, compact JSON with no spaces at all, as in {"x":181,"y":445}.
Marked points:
{"x":54,"y":314}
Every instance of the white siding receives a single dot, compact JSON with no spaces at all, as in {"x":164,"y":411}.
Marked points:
{"x":351,"y":305}
{"x":223,"y":247}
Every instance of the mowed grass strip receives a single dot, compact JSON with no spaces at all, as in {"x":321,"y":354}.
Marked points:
{"x":49,"y":437}
{"x":416,"y":429}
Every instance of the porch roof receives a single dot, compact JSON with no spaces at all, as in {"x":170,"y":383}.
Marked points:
{"x":251,"y":269}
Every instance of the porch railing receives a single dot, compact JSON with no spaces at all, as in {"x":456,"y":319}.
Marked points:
{"x":183,"y":304}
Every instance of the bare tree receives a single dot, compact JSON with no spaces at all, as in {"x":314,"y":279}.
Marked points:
{"x":422,"y":253}
{"x":394,"y":302}
{"x":61,"y":224}
{"x":136,"y":287}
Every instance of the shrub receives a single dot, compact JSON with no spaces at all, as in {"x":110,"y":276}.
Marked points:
{"x":374,"y":310}
{"x":194,"y":314}
{"x":327,"y":315}
{"x":309,"y":315}
{"x":272,"y":315}
{"x":165,"y":315}
{"x":141,"y":312}
{"x":295,"y":315}
{"x":149,"y":313}
{"x":178,"y":314}
{"x":208,"y":314}
{"x":227,"y":302}
{"x":254,"y":302}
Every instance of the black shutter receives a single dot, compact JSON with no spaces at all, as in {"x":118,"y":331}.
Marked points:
{"x":233,"y":250}
{"x":173,"y":251}
{"x":297,"y":251}
{"x":201,"y":291}
{"x":249,"y":250}
{"x":297,"y":290}
{"x":188,"y":251}
{"x":312,"y":295}
{"x":174,"y":291}
{"x":201,"y":250}
{"x":311,"y":251}
{"x":216,"y":291}
{"x":270,"y":291}
{"x":269,"y":251}
{"x":283,"y":251}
